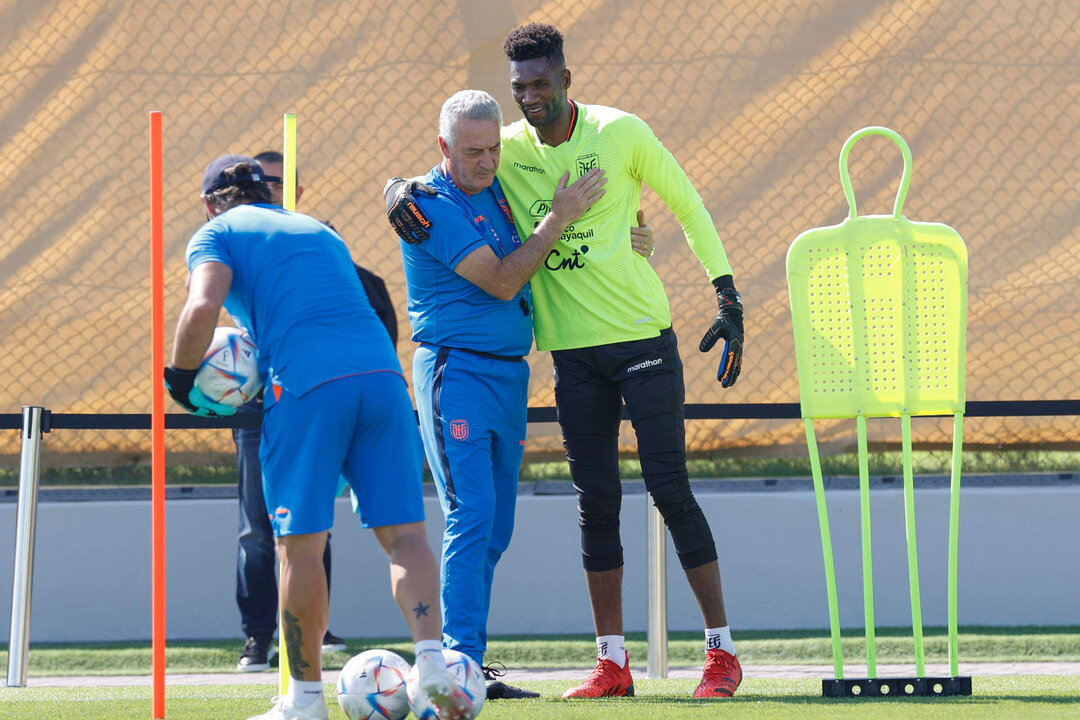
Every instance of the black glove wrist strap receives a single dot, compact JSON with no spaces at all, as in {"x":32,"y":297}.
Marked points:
{"x":726,"y":294}
{"x":179,"y":381}
{"x":724,"y":282}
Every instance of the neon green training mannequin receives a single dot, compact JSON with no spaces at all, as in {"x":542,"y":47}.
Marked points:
{"x":879,"y":308}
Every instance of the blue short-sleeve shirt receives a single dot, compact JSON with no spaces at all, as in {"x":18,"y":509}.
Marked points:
{"x":295,"y":289}
{"x":446,"y":309}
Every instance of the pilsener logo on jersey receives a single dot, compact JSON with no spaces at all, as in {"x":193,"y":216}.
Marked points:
{"x":538,"y":210}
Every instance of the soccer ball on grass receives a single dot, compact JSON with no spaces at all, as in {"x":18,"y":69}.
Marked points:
{"x":469,"y":678}
{"x":372,"y":686}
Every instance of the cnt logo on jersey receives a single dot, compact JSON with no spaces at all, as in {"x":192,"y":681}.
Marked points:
{"x":459,"y":429}
{"x":573,"y":261}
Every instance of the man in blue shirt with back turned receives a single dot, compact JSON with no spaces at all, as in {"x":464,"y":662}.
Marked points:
{"x":470,"y":309}
{"x":336,"y":405}
{"x":256,"y":580}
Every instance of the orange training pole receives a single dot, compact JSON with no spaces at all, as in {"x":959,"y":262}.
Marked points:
{"x":157,"y":414}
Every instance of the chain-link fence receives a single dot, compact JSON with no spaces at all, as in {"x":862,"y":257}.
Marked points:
{"x":755,"y":99}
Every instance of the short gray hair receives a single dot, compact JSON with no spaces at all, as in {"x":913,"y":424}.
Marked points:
{"x":469,"y":105}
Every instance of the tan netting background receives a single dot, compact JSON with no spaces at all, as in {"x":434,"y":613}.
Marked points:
{"x":754,"y":98}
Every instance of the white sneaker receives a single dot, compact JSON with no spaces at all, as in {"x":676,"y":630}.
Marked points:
{"x":283,"y":711}
{"x":444,"y":694}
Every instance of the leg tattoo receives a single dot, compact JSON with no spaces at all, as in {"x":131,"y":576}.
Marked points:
{"x":294,"y":639}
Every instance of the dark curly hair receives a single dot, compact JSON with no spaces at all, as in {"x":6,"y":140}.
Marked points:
{"x":243,"y":193}
{"x":535,"y":40}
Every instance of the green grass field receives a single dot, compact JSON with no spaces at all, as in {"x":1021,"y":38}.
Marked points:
{"x":793,"y":647}
{"x":715,"y":465}
{"x":993,"y":697}
{"x":1021,"y":698}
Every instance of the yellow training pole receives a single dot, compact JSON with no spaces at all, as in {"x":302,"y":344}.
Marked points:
{"x":288,"y":167}
{"x":288,"y":201}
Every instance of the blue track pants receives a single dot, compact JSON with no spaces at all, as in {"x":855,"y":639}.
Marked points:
{"x":472,"y":417}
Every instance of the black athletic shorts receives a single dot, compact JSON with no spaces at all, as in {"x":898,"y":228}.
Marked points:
{"x":591,"y":385}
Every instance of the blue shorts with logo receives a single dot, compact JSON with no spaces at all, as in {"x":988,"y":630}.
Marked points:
{"x":359,"y":427}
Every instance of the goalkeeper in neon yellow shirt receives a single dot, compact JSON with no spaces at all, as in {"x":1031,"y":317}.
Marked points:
{"x":603,"y":313}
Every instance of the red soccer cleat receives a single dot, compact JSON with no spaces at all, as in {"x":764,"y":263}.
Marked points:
{"x":606,"y":680}
{"x":722,"y":674}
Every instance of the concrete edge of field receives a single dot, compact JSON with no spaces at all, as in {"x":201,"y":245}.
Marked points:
{"x":749,"y":671}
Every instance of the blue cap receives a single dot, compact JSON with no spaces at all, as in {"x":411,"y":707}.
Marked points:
{"x":214,"y":177}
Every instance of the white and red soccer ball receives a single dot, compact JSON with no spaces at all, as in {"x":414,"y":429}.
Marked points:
{"x":372,"y":686}
{"x":470,"y":680}
{"x":229,"y":373}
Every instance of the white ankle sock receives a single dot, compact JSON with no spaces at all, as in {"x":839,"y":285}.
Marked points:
{"x":429,"y":657}
{"x":611,"y":647}
{"x":719,"y":638}
{"x":303,"y":693}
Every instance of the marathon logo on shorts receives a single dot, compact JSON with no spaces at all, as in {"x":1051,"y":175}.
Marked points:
{"x":459,"y":429}
{"x":281,"y":512}
{"x":644,"y":364}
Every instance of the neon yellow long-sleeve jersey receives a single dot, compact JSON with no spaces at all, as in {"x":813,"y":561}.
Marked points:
{"x":593,"y":289}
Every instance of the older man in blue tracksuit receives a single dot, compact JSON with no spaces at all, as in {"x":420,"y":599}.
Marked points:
{"x":470,"y":310}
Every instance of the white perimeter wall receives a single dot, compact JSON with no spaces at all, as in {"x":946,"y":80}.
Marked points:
{"x":1019,"y":565}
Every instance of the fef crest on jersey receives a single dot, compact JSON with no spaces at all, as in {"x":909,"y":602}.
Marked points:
{"x":585,"y":163}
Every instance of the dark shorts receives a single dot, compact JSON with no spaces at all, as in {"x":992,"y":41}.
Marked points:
{"x":591,"y":385}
